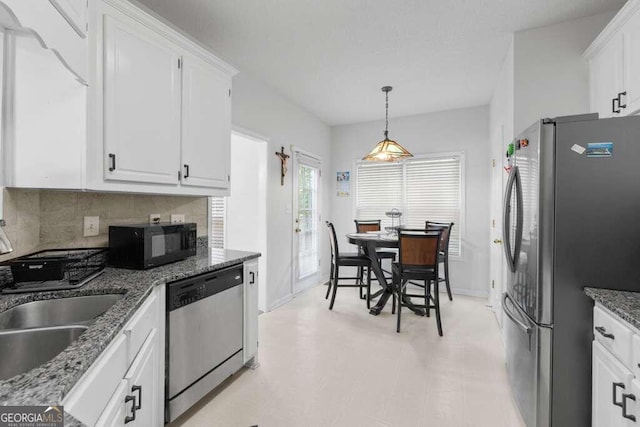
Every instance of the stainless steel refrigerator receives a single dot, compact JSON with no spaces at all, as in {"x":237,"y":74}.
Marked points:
{"x":571,"y":219}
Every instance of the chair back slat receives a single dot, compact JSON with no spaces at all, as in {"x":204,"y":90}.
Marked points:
{"x":446,"y":233}
{"x":418,"y":248}
{"x":333,"y":240}
{"x":363,"y":226}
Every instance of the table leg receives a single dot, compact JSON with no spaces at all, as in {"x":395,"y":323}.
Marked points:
{"x":387,"y":290}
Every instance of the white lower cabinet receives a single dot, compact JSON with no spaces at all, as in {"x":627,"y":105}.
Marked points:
{"x":135,"y":401}
{"x":125,"y":385}
{"x":250,"y":333}
{"x":611,"y":380}
{"x":615,"y":361}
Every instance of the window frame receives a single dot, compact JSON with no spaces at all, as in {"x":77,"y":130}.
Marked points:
{"x":462,"y":225}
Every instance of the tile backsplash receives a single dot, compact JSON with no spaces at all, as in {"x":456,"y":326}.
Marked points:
{"x":39,"y":219}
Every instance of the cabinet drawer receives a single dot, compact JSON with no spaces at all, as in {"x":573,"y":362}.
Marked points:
{"x":140,"y":325}
{"x":613,"y":335}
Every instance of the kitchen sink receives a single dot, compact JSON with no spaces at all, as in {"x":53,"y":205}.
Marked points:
{"x":23,"y":350}
{"x":56,"y":312}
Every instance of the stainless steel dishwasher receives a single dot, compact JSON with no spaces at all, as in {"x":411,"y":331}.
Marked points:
{"x":204,"y":336}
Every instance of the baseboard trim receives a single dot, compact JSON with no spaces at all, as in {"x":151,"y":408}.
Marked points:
{"x":468,"y":292}
{"x":280,"y":302}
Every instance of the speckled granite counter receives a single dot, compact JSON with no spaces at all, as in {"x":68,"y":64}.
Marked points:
{"x":623,"y":303}
{"x":49,"y":383}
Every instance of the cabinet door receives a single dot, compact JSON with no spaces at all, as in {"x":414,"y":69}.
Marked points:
{"x":250,"y":333}
{"x":631,"y":34}
{"x":141,"y":103}
{"x":606,"y":77}
{"x":206,"y":125}
{"x":145,"y":385}
{"x":117,"y":409}
{"x":610,"y":379}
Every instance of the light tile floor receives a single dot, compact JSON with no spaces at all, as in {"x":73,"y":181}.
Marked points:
{"x":348,"y":368}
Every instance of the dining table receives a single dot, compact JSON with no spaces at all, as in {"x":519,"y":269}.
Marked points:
{"x":369,"y":242}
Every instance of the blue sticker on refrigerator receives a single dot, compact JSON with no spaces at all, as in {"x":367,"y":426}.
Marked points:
{"x":600,"y":149}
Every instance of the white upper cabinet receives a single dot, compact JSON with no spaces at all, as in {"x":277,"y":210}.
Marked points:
{"x":53,"y":29}
{"x":606,"y":78}
{"x":206,"y":125}
{"x":99,"y":95}
{"x":631,"y":34}
{"x":614,"y":65}
{"x":159,"y":110}
{"x":141,"y":103}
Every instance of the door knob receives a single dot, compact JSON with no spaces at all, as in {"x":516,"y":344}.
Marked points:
{"x":298,"y":230}
{"x":497,"y":241}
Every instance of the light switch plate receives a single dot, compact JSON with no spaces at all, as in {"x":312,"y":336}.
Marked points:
{"x":177,"y":218}
{"x":91,"y":226}
{"x":155,"y":218}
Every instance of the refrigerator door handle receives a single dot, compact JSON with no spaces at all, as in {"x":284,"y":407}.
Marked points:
{"x":512,"y":183}
{"x":512,"y":316}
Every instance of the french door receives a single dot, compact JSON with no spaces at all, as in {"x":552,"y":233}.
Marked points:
{"x":306,"y":221}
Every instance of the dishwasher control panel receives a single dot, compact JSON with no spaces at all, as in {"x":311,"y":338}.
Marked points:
{"x":193,"y":289}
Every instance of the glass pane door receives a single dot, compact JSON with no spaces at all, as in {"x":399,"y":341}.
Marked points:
{"x":307,"y":221}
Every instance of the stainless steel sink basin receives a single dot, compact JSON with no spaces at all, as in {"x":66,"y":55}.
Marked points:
{"x":24,"y":350}
{"x":56,"y":312}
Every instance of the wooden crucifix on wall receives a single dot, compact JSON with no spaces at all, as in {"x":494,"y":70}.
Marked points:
{"x":283,"y":164}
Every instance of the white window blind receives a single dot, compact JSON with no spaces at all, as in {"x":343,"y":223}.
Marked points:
{"x":378,"y":190}
{"x":424,"y":189}
{"x":433,"y":188}
{"x":218,"y":210}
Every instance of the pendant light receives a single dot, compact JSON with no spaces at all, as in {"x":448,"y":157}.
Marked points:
{"x":387,"y":150}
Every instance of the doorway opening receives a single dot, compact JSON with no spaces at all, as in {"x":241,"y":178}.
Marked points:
{"x":246,"y":208}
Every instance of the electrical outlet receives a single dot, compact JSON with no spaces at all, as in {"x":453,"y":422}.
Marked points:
{"x":177,"y":218}
{"x":91,"y":226}
{"x":155,"y":218}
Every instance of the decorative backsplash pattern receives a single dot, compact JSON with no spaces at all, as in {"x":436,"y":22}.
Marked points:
{"x":38,"y":219}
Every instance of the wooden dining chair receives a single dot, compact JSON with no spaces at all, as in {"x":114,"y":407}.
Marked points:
{"x":346,"y":260}
{"x":443,"y":255}
{"x":364,"y":226}
{"x":418,"y":261}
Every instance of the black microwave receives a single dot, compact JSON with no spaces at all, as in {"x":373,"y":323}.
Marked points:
{"x":143,"y":246}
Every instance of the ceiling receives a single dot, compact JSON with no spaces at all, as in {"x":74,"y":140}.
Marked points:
{"x":331,"y":57}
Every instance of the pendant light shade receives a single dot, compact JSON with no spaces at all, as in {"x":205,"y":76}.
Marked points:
{"x":387,"y":150}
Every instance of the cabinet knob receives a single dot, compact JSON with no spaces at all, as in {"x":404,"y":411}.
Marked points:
{"x":497,"y":241}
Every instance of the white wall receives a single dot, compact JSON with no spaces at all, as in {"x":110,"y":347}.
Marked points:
{"x":456,"y":130}
{"x":246,"y":222}
{"x":501,"y":131}
{"x":551,"y":78}
{"x":260,"y":109}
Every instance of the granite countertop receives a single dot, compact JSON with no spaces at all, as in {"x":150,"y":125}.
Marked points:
{"x":625,"y":304}
{"x":48,"y":384}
